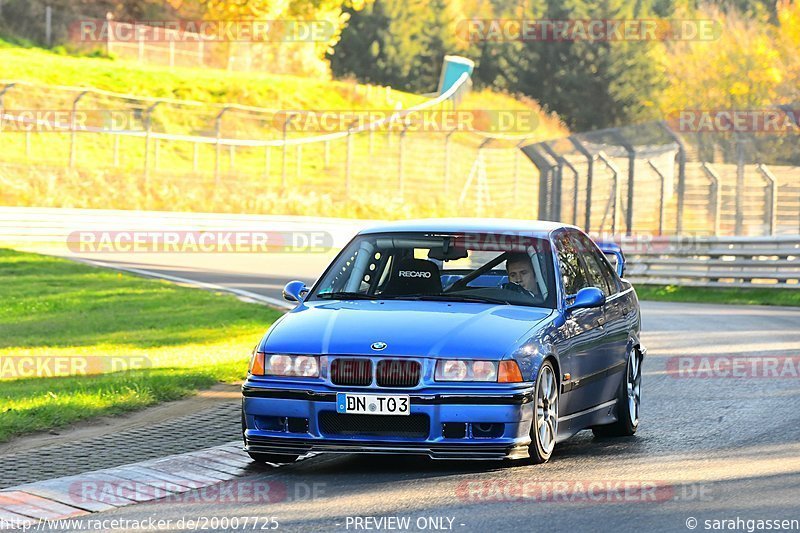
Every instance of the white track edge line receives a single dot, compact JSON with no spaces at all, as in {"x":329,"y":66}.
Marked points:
{"x":260,"y":298}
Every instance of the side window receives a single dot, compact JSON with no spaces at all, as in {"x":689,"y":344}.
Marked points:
{"x":609,"y":273}
{"x":600,"y":271}
{"x":596,"y":277}
{"x":571,"y":271}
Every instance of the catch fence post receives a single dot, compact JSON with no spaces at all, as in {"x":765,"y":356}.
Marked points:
{"x":349,"y":160}
{"x":662,"y":181}
{"x":148,"y":130}
{"x":589,"y":179}
{"x":401,"y":161}
{"x":771,"y":200}
{"x":284,"y":150}
{"x":447,"y":161}
{"x":218,"y":145}
{"x":73,"y":134}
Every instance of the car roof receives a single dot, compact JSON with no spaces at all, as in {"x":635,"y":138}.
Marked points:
{"x":533,"y":228}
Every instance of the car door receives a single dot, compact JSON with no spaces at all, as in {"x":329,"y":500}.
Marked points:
{"x":586,"y":351}
{"x":615,"y":321}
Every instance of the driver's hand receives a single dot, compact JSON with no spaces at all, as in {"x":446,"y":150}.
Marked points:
{"x":519,"y":289}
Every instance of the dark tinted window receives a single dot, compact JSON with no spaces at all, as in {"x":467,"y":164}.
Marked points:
{"x":572,"y":275}
{"x":597,"y":275}
{"x":608,"y":272}
{"x":600,"y":262}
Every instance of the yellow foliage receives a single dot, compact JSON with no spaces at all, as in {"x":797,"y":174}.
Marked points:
{"x":751,"y":64}
{"x":304,"y":58}
{"x":789,"y":42}
{"x":789,"y":20}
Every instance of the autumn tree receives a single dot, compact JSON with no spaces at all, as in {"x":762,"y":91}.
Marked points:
{"x":397,"y":42}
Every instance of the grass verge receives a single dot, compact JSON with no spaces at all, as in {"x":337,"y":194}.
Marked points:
{"x":56,"y":316}
{"x":733,"y":296}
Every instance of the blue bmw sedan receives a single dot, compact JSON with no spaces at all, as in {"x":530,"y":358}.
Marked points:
{"x":455,"y":339}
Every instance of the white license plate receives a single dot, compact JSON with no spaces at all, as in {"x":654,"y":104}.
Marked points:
{"x":373,"y":404}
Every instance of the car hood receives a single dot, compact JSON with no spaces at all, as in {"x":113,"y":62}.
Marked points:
{"x":409,"y":328}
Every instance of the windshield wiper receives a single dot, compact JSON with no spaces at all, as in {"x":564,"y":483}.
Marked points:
{"x":450,"y":297}
{"x":346,"y":296}
{"x":423,"y":297}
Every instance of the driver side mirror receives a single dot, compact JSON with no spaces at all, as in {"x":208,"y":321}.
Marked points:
{"x":295,"y":291}
{"x":586,"y":298}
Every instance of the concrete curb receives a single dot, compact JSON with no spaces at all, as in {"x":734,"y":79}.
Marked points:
{"x":101,"y":490}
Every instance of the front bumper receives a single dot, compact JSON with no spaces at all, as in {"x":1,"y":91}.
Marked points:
{"x":509,"y":412}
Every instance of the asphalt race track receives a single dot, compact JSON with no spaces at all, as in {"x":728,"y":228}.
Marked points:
{"x":712,"y":447}
{"x":709,"y":448}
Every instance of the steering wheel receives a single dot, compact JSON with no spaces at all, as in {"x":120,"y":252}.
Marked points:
{"x":519,"y":289}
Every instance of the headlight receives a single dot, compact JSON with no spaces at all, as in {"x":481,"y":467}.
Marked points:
{"x":462,"y":370}
{"x":305,"y":366}
{"x":451,"y":370}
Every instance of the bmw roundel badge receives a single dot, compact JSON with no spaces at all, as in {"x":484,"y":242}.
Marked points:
{"x":378,"y":346}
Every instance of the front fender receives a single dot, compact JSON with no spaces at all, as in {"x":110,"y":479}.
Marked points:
{"x":537,"y":346}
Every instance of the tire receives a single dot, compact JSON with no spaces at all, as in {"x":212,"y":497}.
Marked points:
{"x":628,"y":401}
{"x":544,"y":426}
{"x":272,"y":458}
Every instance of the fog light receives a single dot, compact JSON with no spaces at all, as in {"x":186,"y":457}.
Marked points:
{"x":485,"y":430}
{"x":271,"y":423}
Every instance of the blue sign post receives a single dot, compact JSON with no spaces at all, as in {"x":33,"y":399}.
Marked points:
{"x":454,"y":67}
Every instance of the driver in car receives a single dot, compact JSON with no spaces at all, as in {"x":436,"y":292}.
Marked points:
{"x":521,"y":277}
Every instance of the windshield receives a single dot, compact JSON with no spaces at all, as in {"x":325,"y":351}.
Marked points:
{"x":488,"y":268}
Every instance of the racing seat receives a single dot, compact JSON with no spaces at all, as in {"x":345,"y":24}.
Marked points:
{"x":414,"y":276}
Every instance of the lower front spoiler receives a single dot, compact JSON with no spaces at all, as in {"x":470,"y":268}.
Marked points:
{"x":476,"y":451}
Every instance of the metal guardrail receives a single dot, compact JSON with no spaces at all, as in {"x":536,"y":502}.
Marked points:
{"x":760,"y":262}
{"x":763,"y":262}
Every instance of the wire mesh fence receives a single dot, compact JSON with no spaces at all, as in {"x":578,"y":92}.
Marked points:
{"x":655,"y":178}
{"x":166,"y":154}
{"x":133,"y":153}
